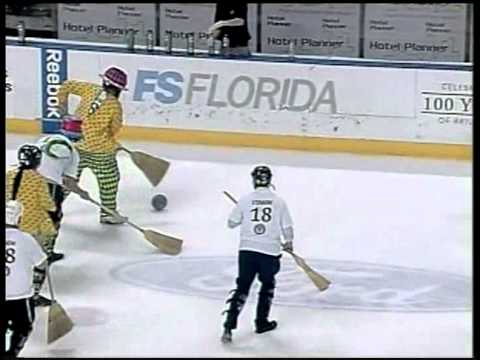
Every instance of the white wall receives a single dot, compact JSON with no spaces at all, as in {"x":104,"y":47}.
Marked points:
{"x":22,"y":96}
{"x":339,"y":101}
{"x":259,"y":97}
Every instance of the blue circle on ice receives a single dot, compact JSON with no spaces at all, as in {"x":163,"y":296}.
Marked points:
{"x":355,"y":285}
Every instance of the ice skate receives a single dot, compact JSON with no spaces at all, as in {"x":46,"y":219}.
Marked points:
{"x":55,"y":257}
{"x":39,"y":300}
{"x":264,"y":326}
{"x":112,"y":220}
{"x":227,"y":336}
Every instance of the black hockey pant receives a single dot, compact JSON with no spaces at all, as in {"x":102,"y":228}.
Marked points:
{"x":250,"y":264}
{"x":19,"y":316}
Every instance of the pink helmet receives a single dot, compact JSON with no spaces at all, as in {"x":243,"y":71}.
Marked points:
{"x":116,"y":76}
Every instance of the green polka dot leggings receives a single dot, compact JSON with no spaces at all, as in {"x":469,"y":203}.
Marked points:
{"x":105,"y":169}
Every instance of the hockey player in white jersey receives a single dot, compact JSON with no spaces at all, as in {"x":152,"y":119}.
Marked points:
{"x":264,"y":220}
{"x":22,"y":254}
{"x":59,"y":167}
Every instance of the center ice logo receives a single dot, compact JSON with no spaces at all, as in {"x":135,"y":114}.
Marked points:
{"x":355,"y":285}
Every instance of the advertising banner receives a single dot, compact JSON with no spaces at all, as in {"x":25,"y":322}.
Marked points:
{"x":470,"y":34}
{"x":314,"y":29}
{"x":445,"y":106}
{"x":417,"y":105}
{"x":22,"y":86}
{"x":54,"y":73}
{"x":415,"y":31}
{"x":106,"y":23}
{"x":37,"y":17}
{"x":183,"y":19}
{"x":259,"y":97}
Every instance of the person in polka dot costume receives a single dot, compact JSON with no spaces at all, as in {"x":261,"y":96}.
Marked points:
{"x":32,"y":191}
{"x":100,"y":112}
{"x":25,"y":184}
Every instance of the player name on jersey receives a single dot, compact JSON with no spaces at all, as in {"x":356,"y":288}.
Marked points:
{"x":262,"y":202}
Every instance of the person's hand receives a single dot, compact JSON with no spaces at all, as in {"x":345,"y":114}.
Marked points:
{"x":216,"y":34}
{"x":71,"y":184}
{"x":215,"y":30}
{"x":215,"y":27}
{"x":288,"y":246}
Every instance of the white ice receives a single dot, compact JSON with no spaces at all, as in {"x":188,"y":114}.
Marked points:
{"x":399,"y":211}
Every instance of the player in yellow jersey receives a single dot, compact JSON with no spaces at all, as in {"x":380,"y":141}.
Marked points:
{"x":27,"y":186}
{"x":100,"y":112}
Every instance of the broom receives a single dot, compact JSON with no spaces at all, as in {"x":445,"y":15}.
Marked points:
{"x":166,"y":243}
{"x":318,"y":280}
{"x":59,"y":323}
{"x":153,"y":168}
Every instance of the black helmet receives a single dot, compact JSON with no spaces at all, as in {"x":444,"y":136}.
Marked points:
{"x":29,"y":156}
{"x":262,"y":176}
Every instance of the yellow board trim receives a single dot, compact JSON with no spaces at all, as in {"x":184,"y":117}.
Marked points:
{"x":286,"y":142}
{"x":23,"y":126}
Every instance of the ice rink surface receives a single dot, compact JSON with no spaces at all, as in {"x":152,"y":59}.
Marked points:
{"x":393,"y":234}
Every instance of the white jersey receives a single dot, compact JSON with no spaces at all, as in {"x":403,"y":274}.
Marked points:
{"x":59,"y":158}
{"x":22,"y":253}
{"x":264,"y":217}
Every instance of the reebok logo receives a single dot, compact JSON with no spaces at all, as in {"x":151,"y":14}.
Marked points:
{"x":53,"y":82}
{"x":54,"y":73}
